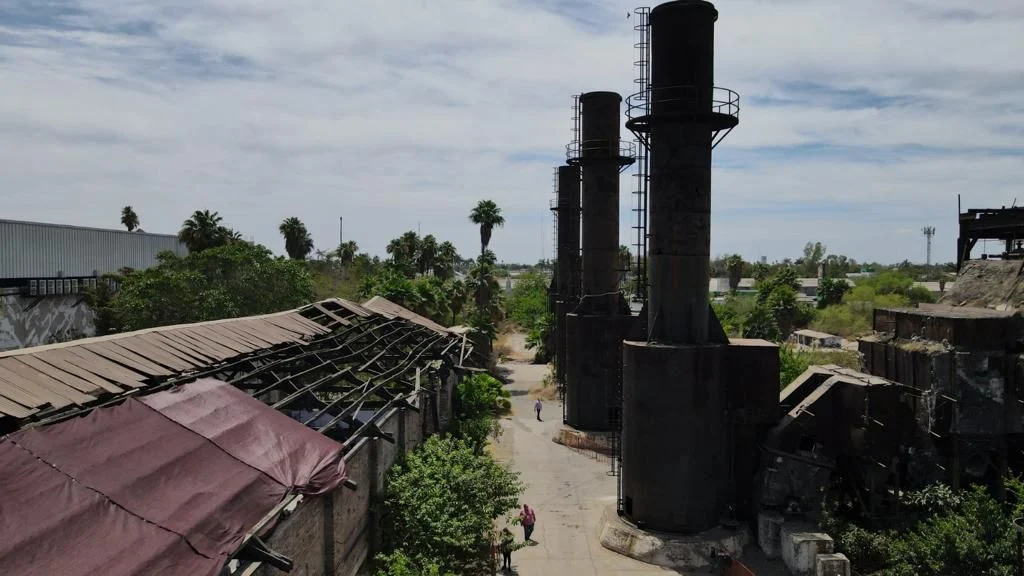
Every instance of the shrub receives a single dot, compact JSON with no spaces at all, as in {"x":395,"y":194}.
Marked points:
{"x":439,"y":509}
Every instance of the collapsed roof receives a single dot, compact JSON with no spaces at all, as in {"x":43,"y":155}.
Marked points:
{"x":161,"y":451}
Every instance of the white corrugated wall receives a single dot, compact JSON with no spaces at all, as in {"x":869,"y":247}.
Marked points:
{"x":34,"y":250}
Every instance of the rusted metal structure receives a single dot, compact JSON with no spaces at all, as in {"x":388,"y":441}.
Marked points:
{"x":694,"y":407}
{"x":1005,"y":225}
{"x":567,"y":276}
{"x":595,"y":329}
{"x":966,"y":363}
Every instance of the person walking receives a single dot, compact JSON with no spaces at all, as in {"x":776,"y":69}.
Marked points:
{"x":529,"y":519}
{"x":507,"y":541}
{"x":536,"y":408}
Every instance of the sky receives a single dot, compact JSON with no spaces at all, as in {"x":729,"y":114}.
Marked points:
{"x":861,"y":120}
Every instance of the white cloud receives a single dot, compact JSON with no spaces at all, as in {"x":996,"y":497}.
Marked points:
{"x":398,"y":113}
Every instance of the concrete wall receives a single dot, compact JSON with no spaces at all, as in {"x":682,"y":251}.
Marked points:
{"x":335,"y":534}
{"x":32,"y":321}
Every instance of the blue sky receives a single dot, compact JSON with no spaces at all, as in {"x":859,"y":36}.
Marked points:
{"x":861,"y":120}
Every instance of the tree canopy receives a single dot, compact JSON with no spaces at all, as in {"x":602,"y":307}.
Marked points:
{"x":204,"y":230}
{"x":297,"y":241}
{"x":487,"y":215}
{"x":129,"y":219}
{"x":238,"y":279}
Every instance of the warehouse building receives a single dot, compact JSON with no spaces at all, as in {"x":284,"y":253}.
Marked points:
{"x":45,"y":269}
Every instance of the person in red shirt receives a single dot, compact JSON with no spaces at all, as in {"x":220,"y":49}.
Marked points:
{"x":529,"y":518}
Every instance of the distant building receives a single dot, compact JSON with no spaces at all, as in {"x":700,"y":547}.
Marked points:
{"x":815,"y":339}
{"x":808,"y":286}
{"x":45,"y":270}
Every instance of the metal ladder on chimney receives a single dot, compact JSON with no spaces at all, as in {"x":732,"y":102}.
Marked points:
{"x":641,"y":177}
{"x":641,"y":180}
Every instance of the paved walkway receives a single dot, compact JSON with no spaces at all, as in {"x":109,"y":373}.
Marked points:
{"x":569,"y":490}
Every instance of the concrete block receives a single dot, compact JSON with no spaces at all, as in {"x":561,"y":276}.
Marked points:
{"x":801,"y":547}
{"x":831,"y":565}
{"x":769,"y":533}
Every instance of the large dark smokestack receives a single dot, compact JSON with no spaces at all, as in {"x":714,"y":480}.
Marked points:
{"x":568,"y":283}
{"x":599,"y":156}
{"x":677,"y":459}
{"x":684,"y":118}
{"x":597,"y":326}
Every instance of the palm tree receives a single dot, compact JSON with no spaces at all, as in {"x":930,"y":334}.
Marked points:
{"x":734,"y":265}
{"x":455,"y":291}
{"x":347,"y":251}
{"x":487,"y":215}
{"x":447,"y":256}
{"x":297,"y":241}
{"x":428,"y":253}
{"x":204,"y":230}
{"x":129,"y":219}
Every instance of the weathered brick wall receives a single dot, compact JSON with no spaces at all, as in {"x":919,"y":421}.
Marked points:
{"x":352,"y":514}
{"x":341,"y":546}
{"x":300,"y":536}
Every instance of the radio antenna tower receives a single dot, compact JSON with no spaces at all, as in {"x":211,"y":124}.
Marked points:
{"x":929,"y":232}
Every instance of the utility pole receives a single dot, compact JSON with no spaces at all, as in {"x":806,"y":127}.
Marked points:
{"x":341,"y":226}
{"x":929,"y":232}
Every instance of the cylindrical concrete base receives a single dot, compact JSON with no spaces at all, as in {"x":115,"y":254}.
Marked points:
{"x":593,"y":356}
{"x":675,"y":457}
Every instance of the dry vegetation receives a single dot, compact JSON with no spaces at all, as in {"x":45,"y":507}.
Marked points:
{"x":547,"y":390}
{"x":844,"y":358}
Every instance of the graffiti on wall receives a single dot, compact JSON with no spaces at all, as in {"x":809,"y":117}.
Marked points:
{"x":33,"y":321}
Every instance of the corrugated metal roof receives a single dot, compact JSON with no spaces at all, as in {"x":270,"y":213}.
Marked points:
{"x":39,"y":250}
{"x":82,"y":371}
{"x":389,"y":309}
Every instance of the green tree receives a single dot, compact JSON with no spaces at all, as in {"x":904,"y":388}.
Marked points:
{"x":734,"y":267}
{"x":777,"y":311}
{"x":791,"y":364}
{"x":483,"y":285}
{"x":831,"y":291}
{"x":487,"y":216}
{"x":346,"y":252}
{"x":456,"y":293}
{"x":398,"y":563}
{"x":297,"y":241}
{"x":405,"y":253}
{"x":528,"y":300}
{"x":129,"y":219}
{"x":760,"y":272}
{"x":203,"y":230}
{"x":427,"y":257}
{"x":441,"y":502}
{"x":814,"y":252}
{"x":447,"y":257}
{"x":240,"y":279}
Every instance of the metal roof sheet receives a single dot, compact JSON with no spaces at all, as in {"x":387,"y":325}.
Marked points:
{"x":82,"y":371}
{"x":388,"y":308}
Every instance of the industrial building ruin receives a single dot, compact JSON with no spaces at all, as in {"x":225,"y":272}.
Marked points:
{"x":1004,"y":225}
{"x":282,"y":425}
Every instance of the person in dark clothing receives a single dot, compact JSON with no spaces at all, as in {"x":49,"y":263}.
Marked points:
{"x":507,"y":541}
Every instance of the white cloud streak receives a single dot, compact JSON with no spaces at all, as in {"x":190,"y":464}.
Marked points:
{"x":398,"y":113}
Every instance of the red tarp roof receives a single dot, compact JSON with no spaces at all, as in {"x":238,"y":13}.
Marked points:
{"x":166,"y":485}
